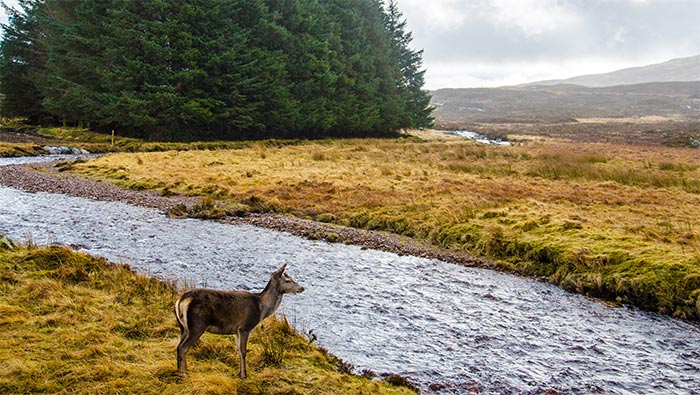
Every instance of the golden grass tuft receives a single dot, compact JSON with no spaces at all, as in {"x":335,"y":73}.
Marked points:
{"x":76,"y":324}
{"x":19,"y":149}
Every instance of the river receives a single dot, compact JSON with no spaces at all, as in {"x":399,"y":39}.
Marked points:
{"x":479,"y":138}
{"x":448,"y":328}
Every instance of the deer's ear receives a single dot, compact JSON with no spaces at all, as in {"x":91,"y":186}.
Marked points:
{"x":280,"y":270}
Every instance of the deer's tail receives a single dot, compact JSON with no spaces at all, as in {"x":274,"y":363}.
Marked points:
{"x":181,"y":306}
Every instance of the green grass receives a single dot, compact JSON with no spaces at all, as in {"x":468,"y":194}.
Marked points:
{"x":76,"y":324}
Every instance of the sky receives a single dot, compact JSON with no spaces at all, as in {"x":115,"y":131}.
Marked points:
{"x":486,"y":43}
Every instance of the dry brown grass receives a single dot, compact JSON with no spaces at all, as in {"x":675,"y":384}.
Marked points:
{"x":650,"y":119}
{"x":19,"y":149}
{"x":605,"y":219}
{"x":75,"y":324}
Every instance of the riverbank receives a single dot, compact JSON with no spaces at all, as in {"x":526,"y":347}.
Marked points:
{"x":47,"y":177}
{"x":97,"y":327}
{"x":18,"y":139}
{"x":366,"y":306}
{"x":605,"y":220}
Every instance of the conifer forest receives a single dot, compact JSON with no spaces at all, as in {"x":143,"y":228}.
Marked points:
{"x":214,"y":69}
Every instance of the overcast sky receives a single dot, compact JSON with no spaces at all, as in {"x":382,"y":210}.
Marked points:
{"x":472,"y":43}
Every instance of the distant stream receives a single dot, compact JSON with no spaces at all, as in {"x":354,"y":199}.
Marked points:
{"x":479,"y":138}
{"x":448,"y":328}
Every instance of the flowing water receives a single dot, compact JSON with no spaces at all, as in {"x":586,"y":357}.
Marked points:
{"x":479,"y":138}
{"x":448,"y":328}
{"x":43,"y":158}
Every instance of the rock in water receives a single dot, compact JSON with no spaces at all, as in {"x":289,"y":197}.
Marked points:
{"x":64,"y":150}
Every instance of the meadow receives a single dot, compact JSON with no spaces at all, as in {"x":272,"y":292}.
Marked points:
{"x":609,"y":220}
{"x":77,"y":324}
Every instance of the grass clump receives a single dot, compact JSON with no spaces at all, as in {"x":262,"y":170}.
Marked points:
{"x":76,"y":324}
{"x":8,"y":150}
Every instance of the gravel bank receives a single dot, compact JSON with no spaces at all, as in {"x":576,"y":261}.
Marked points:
{"x":45,"y":177}
{"x":368,"y":239}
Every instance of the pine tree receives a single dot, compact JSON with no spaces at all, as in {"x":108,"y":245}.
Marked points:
{"x":69,"y":80}
{"x":19,"y":51}
{"x":214,"y":68}
{"x":363,"y":67}
{"x":302,"y":33}
{"x":417,"y":100}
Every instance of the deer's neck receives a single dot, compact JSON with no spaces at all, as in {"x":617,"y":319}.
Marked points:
{"x":270,"y":300}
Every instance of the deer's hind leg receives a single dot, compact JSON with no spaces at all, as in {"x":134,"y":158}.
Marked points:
{"x":188,"y":337}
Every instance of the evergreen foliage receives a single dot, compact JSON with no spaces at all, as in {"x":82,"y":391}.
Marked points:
{"x":20,"y":50}
{"x":214,"y":68}
{"x":416,"y":100}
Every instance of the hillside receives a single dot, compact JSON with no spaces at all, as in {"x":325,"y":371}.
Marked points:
{"x":681,"y":69}
{"x":564,"y":102}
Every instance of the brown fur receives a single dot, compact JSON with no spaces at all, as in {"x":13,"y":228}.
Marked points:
{"x":228,"y":312}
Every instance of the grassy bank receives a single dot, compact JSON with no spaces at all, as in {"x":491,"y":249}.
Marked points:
{"x":8,"y":150}
{"x":76,"y":324}
{"x":102,"y":143}
{"x":613,"y":221}
{"x":18,"y":139}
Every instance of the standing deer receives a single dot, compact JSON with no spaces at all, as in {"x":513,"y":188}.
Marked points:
{"x":228,"y":312}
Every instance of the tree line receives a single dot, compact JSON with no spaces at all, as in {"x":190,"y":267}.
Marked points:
{"x":214,"y":68}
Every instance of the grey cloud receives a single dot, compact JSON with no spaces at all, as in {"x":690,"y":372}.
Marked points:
{"x":605,"y":28}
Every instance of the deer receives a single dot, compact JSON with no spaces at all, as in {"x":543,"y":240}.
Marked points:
{"x":228,"y":312}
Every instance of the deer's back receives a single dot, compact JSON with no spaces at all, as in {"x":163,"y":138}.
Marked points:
{"x":223,"y":311}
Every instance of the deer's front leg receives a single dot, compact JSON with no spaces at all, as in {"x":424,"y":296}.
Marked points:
{"x":242,"y":344}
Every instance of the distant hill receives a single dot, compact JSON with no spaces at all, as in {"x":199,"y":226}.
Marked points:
{"x":681,"y":69}
{"x":541,"y":103}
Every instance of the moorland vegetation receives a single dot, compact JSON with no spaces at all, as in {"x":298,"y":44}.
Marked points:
{"x":456,"y":108}
{"x":598,"y":207}
{"x":608,"y":220}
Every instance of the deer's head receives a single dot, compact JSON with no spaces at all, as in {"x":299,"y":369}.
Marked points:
{"x":285,"y":283}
